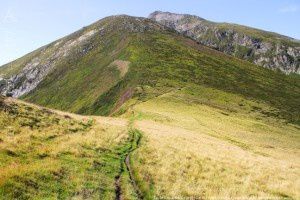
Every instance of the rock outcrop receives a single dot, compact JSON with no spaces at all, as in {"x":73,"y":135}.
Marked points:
{"x":263,"y":48}
{"x":30,"y":70}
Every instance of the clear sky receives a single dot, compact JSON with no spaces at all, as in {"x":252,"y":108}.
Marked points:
{"x":28,"y":24}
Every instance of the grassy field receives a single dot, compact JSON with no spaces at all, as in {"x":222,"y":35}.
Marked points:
{"x":191,"y":142}
{"x":44,"y":155}
{"x":215,"y":145}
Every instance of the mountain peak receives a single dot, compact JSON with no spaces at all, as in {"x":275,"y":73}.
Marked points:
{"x":267,"y":49}
{"x":169,"y":16}
{"x":30,"y":70}
{"x":127,"y":22}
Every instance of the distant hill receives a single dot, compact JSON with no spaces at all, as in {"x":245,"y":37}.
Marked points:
{"x":263,"y":48}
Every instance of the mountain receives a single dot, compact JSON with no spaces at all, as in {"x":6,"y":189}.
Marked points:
{"x":182,"y":120}
{"x":98,"y":68}
{"x":263,"y":48}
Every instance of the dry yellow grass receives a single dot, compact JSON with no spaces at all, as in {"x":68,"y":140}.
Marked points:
{"x":188,"y":150}
{"x":51,"y":154}
{"x":194,"y":150}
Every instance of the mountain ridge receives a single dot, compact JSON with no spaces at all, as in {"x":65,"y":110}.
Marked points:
{"x":183,"y":120}
{"x":81,"y":72}
{"x":182,"y":15}
{"x":16,"y":70}
{"x":268,"y":49}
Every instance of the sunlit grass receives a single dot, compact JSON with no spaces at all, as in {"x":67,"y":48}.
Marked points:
{"x":196,"y":147}
{"x":45,"y":155}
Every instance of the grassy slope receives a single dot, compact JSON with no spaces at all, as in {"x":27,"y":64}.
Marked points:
{"x":48,"y":156}
{"x":216,"y":125}
{"x":208,"y":143}
{"x":165,"y":62}
{"x":160,"y":60}
{"x":80,"y":79}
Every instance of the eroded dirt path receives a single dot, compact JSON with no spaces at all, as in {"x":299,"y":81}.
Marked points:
{"x":135,"y":144}
{"x":125,"y":166}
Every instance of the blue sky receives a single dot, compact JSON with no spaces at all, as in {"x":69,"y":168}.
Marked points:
{"x":28,"y":24}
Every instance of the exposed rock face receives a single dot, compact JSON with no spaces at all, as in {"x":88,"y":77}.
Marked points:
{"x":263,"y":48}
{"x":38,"y":67}
{"x":34,"y":68}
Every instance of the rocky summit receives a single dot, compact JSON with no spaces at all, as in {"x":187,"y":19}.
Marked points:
{"x":263,"y":48}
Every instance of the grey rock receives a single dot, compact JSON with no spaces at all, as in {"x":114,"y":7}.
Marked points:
{"x":39,"y":67}
{"x":278,"y":52}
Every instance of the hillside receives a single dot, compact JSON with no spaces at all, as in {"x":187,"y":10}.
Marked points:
{"x":186,"y":121}
{"x":48,"y":154}
{"x":97,"y":69}
{"x":260,"y":47}
{"x":209,"y":148}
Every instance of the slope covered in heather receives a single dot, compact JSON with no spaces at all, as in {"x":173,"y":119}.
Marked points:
{"x":97,"y":69}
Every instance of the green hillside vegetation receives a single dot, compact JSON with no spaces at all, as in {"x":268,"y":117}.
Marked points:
{"x":204,"y":142}
{"x":160,"y":60}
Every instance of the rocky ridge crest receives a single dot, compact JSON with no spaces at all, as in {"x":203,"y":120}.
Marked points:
{"x":266,"y":49}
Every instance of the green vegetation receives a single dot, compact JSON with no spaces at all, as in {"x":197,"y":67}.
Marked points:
{"x":193,"y":123}
{"x":159,"y":60}
{"x":48,"y":156}
{"x":207,"y":143}
{"x":165,"y":63}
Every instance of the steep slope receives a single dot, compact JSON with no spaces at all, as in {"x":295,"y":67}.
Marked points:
{"x":97,"y":69}
{"x":263,"y":48}
{"x":99,"y":39}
